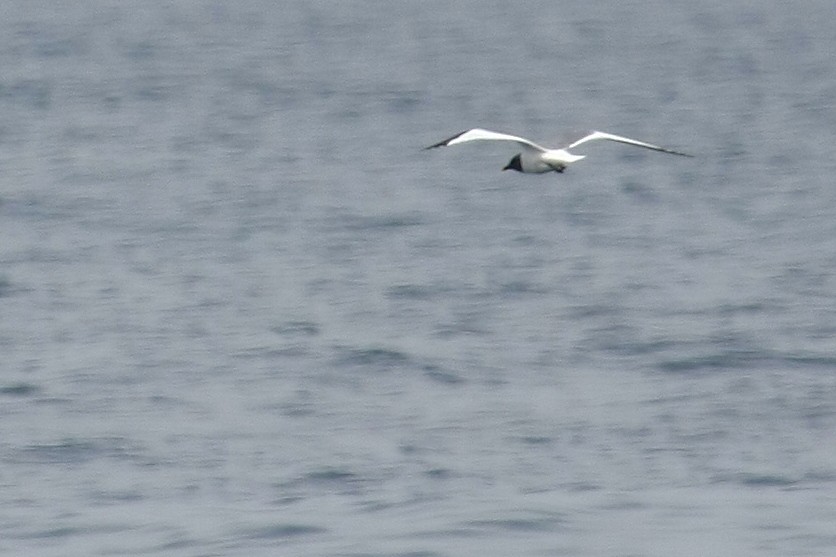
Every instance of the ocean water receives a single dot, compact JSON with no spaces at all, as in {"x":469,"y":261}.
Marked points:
{"x":242,"y":312}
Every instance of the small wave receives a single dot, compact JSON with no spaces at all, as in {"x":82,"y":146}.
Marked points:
{"x":297,"y":328}
{"x":382,"y":222}
{"x":33,"y":93}
{"x":5,"y":287}
{"x":545,"y":523}
{"x":70,"y":451}
{"x":745,"y":359}
{"x":329,"y":475}
{"x":402,"y":292}
{"x":281,"y":531}
{"x":330,"y":479}
{"x":522,"y":287}
{"x":380,"y":358}
{"x":385,"y":360}
{"x":442,"y":376}
{"x":716,"y":361}
{"x":750,"y":479}
{"x":75,"y":451}
{"x":20,"y":389}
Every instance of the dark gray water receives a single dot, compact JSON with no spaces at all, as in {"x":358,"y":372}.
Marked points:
{"x":243,"y":313}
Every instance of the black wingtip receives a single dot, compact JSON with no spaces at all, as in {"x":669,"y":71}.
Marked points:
{"x":674,"y":152}
{"x":446,"y":141}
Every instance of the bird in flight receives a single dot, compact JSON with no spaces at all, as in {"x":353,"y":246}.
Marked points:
{"x":536,"y":159}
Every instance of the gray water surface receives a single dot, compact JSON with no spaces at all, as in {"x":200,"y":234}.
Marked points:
{"x":243,"y":313}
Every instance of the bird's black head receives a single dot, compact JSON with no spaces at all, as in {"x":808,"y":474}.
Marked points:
{"x":515,"y":164}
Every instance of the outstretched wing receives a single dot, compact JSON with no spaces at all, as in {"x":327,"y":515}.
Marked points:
{"x":612,"y":137}
{"x":478,"y":134}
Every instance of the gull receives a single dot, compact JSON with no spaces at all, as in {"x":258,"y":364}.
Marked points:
{"x":536,"y":159}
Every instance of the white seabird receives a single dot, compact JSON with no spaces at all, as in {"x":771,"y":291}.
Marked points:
{"x":536,"y":159}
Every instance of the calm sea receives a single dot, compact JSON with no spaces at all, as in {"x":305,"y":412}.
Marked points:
{"x":242,"y":312}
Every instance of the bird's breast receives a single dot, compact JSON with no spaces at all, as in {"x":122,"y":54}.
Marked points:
{"x":534,"y":163}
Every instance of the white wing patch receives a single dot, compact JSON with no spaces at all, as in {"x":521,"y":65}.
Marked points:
{"x":620,"y":139}
{"x":478,"y":134}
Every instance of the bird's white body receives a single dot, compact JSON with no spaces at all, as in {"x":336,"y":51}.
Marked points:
{"x":548,"y":161}
{"x":535,"y":159}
